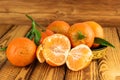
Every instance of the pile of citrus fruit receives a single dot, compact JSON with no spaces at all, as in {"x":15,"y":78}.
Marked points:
{"x":59,"y":44}
{"x":70,"y":45}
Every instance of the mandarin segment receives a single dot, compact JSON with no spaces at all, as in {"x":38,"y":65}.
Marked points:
{"x":79,"y":57}
{"x":85,"y":30}
{"x":55,"y":49}
{"x":21,"y":51}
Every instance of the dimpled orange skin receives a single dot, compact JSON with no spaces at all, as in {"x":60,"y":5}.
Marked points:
{"x":21,"y":51}
{"x":97,"y":29}
{"x":85,"y":30}
{"x":61,"y":27}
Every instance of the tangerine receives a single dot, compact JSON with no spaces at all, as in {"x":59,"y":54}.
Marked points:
{"x":81,"y":33}
{"x":21,"y":51}
{"x":97,"y":29}
{"x":61,"y":27}
{"x":45,"y":34}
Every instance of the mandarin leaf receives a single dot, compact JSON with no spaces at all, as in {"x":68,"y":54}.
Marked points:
{"x":34,"y":33}
{"x":103,"y":42}
{"x":37,"y":37}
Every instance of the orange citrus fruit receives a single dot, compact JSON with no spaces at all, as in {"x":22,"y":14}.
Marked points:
{"x":49,"y":32}
{"x":79,"y":57}
{"x":21,"y":51}
{"x":45,"y":34}
{"x":61,"y":27}
{"x":78,"y":29}
{"x":55,"y":49}
{"x":39,"y":54}
{"x":97,"y":29}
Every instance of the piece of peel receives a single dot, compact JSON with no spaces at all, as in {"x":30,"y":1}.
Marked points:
{"x":39,"y":54}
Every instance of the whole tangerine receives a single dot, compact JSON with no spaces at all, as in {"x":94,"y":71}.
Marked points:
{"x":97,"y":29}
{"x":61,"y":27}
{"x":81,"y":33}
{"x":21,"y":51}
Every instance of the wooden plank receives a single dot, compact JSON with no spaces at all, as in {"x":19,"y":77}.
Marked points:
{"x":25,"y":72}
{"x":109,"y":66}
{"x":89,"y":73}
{"x":72,"y":11}
{"x":7,"y":70}
{"x":46,"y":72}
{"x":118,"y":31}
{"x":4,"y":28}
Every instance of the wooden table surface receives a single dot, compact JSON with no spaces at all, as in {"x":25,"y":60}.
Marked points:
{"x":13,"y":23}
{"x":107,"y":68}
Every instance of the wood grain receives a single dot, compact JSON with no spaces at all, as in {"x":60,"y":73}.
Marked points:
{"x":46,"y":72}
{"x":89,"y":73}
{"x":109,"y":66}
{"x":4,"y":29}
{"x":104,"y":12}
{"x":118,"y":31}
{"x":25,"y":72}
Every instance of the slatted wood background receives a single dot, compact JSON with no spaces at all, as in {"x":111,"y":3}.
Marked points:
{"x":13,"y":23}
{"x":45,"y":11}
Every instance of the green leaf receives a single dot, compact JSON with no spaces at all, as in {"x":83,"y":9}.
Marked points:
{"x":103,"y":42}
{"x":3,"y":48}
{"x":43,"y":28}
{"x":30,"y":34}
{"x":34,"y":33}
{"x":80,"y":36}
{"x":37,"y":37}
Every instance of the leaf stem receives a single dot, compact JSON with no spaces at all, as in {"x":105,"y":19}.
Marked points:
{"x":43,"y":28}
{"x":34,"y":33}
{"x":3,"y":48}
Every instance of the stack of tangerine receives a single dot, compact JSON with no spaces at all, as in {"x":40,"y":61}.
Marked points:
{"x":59,"y":44}
{"x":70,"y":45}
